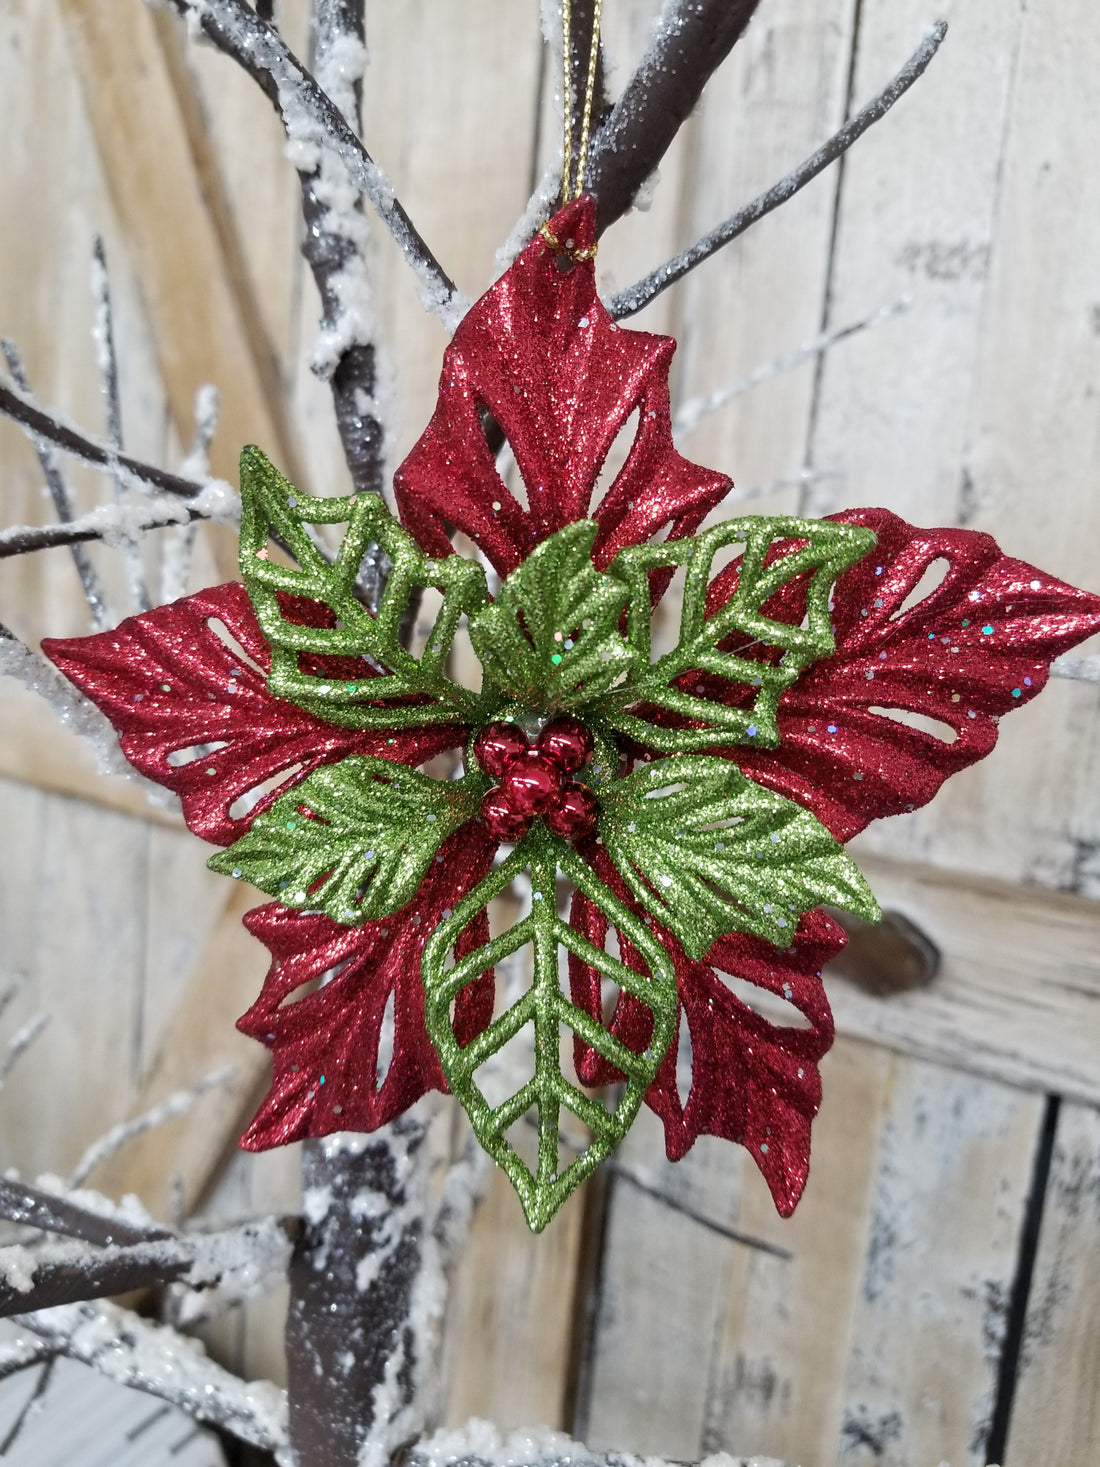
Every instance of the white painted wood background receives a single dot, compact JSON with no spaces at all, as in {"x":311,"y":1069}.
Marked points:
{"x":668,"y":1310}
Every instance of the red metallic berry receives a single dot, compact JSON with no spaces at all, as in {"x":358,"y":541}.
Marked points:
{"x":498,"y":746}
{"x":567,"y":743}
{"x":575,"y":814}
{"x":502,"y":821}
{"x":532,"y":785}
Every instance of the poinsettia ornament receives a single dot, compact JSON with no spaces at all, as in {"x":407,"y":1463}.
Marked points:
{"x":674,"y":818}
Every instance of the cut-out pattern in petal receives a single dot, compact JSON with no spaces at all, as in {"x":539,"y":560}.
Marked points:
{"x":169,"y":682}
{"x":325,"y":1045}
{"x":977,"y":646}
{"x":539,"y":354}
{"x":752,"y":1081}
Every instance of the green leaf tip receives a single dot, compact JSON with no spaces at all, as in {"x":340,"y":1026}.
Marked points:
{"x":708,"y":852}
{"x":353,"y":840}
{"x":546,"y":1010}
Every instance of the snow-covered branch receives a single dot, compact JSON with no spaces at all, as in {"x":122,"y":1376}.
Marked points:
{"x":62,"y":499}
{"x":117,"y":524}
{"x":88,"y":1216}
{"x":311,"y":117}
{"x":44,"y":427}
{"x":157,"y":1359}
{"x":628,"y":301}
{"x":103,"y":334}
{"x":240,"y":1261}
{"x":690,"y":41}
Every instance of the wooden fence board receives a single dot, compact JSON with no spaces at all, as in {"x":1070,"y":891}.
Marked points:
{"x":950,"y":1189}
{"x":1056,"y":1411}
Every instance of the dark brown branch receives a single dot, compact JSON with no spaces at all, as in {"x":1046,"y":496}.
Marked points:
{"x":256,"y":46}
{"x":628,"y":301}
{"x":34,"y":1208}
{"x":354,"y":378}
{"x":22,"y":542}
{"x":62,"y":500}
{"x":39,"y":425}
{"x":694,"y":38}
{"x":143,"y":1266}
{"x":345,"y":1336}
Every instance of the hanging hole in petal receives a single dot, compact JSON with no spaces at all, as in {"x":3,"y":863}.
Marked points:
{"x":934,"y":727}
{"x":685,"y":1063}
{"x":504,"y":460}
{"x":664,"y":628}
{"x":935,"y":573}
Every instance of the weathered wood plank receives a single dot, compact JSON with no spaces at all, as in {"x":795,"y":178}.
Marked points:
{"x":1056,"y":1411}
{"x":781,"y":93}
{"x":161,"y":182}
{"x":197,"y":1040}
{"x":779,"y":1361}
{"x":1018,"y":992}
{"x":511,"y":1315}
{"x":949,"y":1195}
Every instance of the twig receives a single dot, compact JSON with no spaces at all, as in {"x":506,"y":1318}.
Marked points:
{"x":334,"y":247}
{"x":21,"y":1353}
{"x":40,"y":1388}
{"x":691,"y":40}
{"x":99,"y":524}
{"x":631,"y":300}
{"x":238,"y":1261}
{"x":168,"y":1110}
{"x":156,"y":1359}
{"x":178,"y":546}
{"x":107,"y":361}
{"x":62,"y":501}
{"x":310,"y":116}
{"x":696,"y":409}
{"x":34,"y":1208}
{"x":38,"y":424}
{"x":20,"y":1043}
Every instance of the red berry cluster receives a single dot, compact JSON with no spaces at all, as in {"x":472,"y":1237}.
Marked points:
{"x":534,"y":779}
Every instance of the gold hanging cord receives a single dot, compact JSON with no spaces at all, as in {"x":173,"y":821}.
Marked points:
{"x":572,"y":189}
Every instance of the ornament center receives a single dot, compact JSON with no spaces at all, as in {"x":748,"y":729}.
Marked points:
{"x":534,"y":779}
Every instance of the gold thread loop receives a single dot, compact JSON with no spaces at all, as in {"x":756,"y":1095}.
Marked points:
{"x":558,"y":246}
{"x":575,"y":190}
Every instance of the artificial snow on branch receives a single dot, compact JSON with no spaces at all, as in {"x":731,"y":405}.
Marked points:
{"x":632,"y":300}
{"x":309,"y":115}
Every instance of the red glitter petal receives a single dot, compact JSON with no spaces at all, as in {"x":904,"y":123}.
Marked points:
{"x":169,"y":683}
{"x":540,"y":354}
{"x":335,"y":1031}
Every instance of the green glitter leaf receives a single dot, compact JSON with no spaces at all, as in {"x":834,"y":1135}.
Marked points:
{"x":547,"y":1009}
{"x":354,"y":839}
{"x":395,"y":689}
{"x":823,"y":550}
{"x":708,"y":851}
{"x":551,"y":638}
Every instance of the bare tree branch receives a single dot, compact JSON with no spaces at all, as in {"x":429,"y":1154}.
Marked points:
{"x":22,"y":1354}
{"x":310,"y":116}
{"x":19,"y":1043}
{"x":168,"y":1110}
{"x":98,"y":524}
{"x":69,"y":1273}
{"x":155,"y":1358}
{"x":39,"y":425}
{"x":62,"y":501}
{"x":107,"y":360}
{"x":692,"y":39}
{"x":692,"y":412}
{"x":34,"y":1208}
{"x":631,"y":300}
{"x":41,"y":1386}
